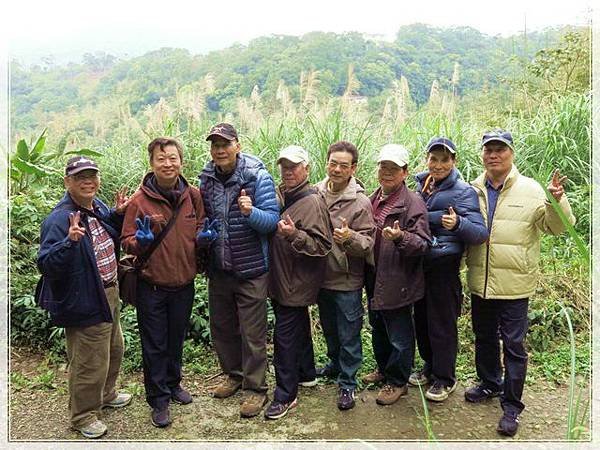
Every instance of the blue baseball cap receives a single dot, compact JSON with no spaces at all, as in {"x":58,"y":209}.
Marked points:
{"x":444,"y":142}
{"x":498,"y":135}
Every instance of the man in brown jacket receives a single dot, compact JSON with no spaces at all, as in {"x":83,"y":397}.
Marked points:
{"x":397,"y":280}
{"x":340,"y":298}
{"x":165,"y":289}
{"x":298,"y":255}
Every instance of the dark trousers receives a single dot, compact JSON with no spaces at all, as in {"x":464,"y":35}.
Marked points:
{"x":341,"y":315}
{"x":435,"y":318}
{"x":238,"y":327}
{"x":163,"y":318}
{"x":506,"y":320}
{"x":293,"y":358}
{"x":393,"y":343}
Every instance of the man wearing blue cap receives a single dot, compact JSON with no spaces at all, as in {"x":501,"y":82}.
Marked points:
{"x":502,"y":271}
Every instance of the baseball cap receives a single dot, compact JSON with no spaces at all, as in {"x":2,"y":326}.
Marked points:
{"x":395,"y":153}
{"x":78,"y":164}
{"x":293,"y":153}
{"x":498,"y":135}
{"x":444,"y":142}
{"x":225,"y":130}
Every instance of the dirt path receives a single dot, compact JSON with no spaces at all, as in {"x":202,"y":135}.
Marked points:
{"x":39,"y":412}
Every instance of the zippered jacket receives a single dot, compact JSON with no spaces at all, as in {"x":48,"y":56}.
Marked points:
{"x":346,"y":262}
{"x":70,"y":288}
{"x":470,"y":228}
{"x":173,"y":264}
{"x":242,"y":245}
{"x":506,"y":266}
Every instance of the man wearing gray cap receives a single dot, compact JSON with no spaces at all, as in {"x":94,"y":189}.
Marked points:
{"x":502,"y":271}
{"x":241,"y":211}
{"x":299,"y":252}
{"x":79,"y":250}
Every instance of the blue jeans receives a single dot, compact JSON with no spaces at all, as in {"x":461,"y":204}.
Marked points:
{"x":341,"y":314}
{"x":393,"y":343}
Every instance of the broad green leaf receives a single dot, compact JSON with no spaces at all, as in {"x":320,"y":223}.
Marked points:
{"x":38,"y":148}
{"x":27,"y":167}
{"x":23,"y":150}
{"x":84,"y":152}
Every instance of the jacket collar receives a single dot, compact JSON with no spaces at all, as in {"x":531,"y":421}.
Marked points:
{"x":350,"y":192}
{"x":155,"y":195}
{"x":400,"y":199}
{"x":512,"y":176}
{"x":446,"y":183}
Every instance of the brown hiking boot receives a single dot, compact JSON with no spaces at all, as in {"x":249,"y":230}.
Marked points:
{"x":373,"y":377}
{"x":227,"y":388}
{"x":253,"y":403}
{"x":390,"y":394}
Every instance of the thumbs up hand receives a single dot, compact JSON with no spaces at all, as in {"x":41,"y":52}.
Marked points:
{"x":144,"y":234}
{"x":342,"y":234}
{"x":392,"y":233}
{"x":209,"y":232}
{"x":286,"y":226}
{"x":449,"y":220}
{"x":245,"y":203}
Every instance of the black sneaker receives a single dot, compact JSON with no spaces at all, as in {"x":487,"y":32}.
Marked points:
{"x":438,"y":392}
{"x":160,"y":417}
{"x":327,"y":372}
{"x":419,"y":378}
{"x":346,"y":399}
{"x":509,"y":424}
{"x":480,"y":393}
{"x":277,"y":410}
{"x":181,"y":396}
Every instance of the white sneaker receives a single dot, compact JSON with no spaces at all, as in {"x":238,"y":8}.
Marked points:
{"x":122,"y":399}
{"x":93,"y":430}
{"x":308,"y":383}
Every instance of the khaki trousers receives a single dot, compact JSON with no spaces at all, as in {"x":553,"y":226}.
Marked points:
{"x":94,"y":354}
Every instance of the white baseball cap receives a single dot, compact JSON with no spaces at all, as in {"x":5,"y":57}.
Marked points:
{"x":395,"y":153}
{"x":293,"y":153}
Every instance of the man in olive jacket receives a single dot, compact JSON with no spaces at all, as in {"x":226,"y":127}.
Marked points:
{"x":298,"y":255}
{"x":502,"y":271}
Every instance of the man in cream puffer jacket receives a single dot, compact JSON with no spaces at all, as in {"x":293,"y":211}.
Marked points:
{"x":502,"y":272}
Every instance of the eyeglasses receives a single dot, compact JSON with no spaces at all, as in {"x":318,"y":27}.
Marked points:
{"x":85,"y":176}
{"x":343,"y":166}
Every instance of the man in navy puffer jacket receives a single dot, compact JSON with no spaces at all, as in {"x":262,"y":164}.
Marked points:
{"x":79,"y":250}
{"x":454,"y":220}
{"x":241,"y":209}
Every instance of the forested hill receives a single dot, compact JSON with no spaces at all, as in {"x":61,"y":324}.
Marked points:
{"x":462,"y":59}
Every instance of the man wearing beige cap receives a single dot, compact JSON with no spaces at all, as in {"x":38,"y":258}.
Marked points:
{"x":298,"y":258}
{"x":396,"y":280}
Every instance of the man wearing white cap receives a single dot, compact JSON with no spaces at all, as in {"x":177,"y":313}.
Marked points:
{"x":298,"y":255}
{"x":396,"y":281}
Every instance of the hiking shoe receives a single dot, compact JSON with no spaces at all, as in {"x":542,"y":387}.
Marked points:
{"x":181,"y":396}
{"x":390,"y":394}
{"x":160,"y":417}
{"x":373,"y":377}
{"x":480,"y":393}
{"x":345,"y":399}
{"x":509,"y":424}
{"x":227,"y":388}
{"x":419,"y":378}
{"x":327,"y":372}
{"x":122,"y":399}
{"x":308,"y":383}
{"x":439,"y":392}
{"x":253,"y":403}
{"x":93,"y":430}
{"x":277,"y":410}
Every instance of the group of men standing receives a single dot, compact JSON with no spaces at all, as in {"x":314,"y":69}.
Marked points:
{"x":298,"y":245}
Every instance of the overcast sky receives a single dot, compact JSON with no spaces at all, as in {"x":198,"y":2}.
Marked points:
{"x":67,"y":29}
